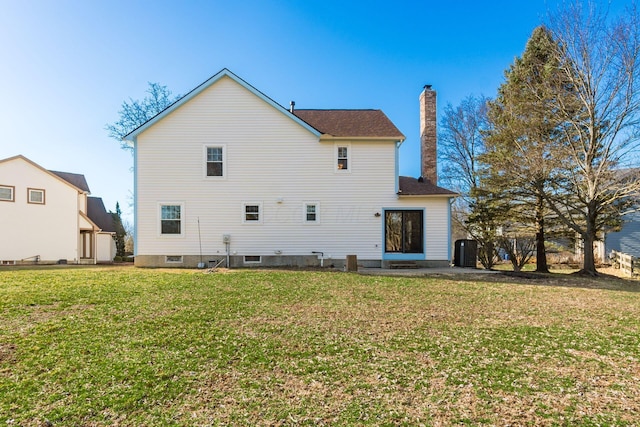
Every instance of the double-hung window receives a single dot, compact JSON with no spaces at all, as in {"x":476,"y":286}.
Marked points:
{"x":215,"y":161}
{"x":343,"y":158}
{"x":170,"y":219}
{"x":311,"y":212}
{"x":7,"y":193}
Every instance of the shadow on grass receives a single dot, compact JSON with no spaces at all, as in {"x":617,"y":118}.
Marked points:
{"x":569,"y":280}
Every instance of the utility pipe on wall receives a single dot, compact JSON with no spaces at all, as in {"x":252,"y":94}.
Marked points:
{"x":321,"y":257}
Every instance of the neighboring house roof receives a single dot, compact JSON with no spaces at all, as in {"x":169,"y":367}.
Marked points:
{"x":416,"y":187}
{"x":131,"y":136}
{"x":75,"y":179}
{"x":99,"y":215}
{"x":351,"y":123}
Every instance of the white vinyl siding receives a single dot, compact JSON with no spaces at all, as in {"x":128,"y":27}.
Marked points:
{"x":275,"y":161}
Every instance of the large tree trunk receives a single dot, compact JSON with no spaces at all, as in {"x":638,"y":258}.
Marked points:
{"x":589,"y":263}
{"x":541,"y":253}
{"x":589,"y":266}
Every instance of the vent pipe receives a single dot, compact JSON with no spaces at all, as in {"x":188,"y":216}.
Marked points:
{"x":293,"y":105}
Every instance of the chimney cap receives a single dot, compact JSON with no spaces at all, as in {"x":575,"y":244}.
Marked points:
{"x":427,"y":87}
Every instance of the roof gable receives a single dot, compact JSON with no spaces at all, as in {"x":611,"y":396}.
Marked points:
{"x":351,"y":123}
{"x":202,"y":87}
{"x":77,"y":181}
{"x":99,"y":215}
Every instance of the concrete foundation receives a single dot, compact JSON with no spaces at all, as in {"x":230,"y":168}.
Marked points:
{"x":239,"y":261}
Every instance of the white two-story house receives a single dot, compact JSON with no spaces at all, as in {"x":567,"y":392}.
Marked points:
{"x":227,"y":173}
{"x":48,"y":217}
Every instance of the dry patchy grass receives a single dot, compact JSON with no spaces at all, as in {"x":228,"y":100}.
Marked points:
{"x":99,"y":347}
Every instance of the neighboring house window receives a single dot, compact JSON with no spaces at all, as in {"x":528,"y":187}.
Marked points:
{"x":404,"y":231}
{"x":215,"y":161}
{"x":342,"y":154}
{"x":252,"y":213}
{"x":36,"y":196}
{"x":7,"y":193}
{"x":170,"y":219}
{"x":311,"y":212}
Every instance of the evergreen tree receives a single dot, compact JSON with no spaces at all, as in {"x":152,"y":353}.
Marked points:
{"x":521,"y":145}
{"x":120,"y":231}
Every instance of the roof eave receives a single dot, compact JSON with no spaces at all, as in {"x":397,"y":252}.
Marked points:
{"x":400,"y":138}
{"x":428,"y":195}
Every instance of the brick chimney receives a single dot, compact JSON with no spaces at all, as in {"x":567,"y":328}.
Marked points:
{"x":428,"y":138}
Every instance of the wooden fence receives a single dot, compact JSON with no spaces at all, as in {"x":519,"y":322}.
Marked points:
{"x":625,"y":261}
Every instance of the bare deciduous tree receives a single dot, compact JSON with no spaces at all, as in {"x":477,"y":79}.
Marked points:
{"x":461,"y":142}
{"x":134,"y":113}
{"x":600,"y":58}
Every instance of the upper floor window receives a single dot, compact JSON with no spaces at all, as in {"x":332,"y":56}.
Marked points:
{"x":35,"y":195}
{"x":215,"y":160}
{"x":7,"y":193}
{"x":343,"y":157}
{"x":170,"y":219}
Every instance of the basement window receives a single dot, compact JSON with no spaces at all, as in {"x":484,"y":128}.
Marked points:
{"x":173,"y":259}
{"x":252,"y":259}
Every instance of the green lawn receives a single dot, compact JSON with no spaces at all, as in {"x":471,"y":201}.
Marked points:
{"x":137,"y":347}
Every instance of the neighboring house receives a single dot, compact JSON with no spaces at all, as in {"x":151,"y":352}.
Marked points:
{"x":48,"y":217}
{"x":627,"y":240}
{"x":226,"y":172}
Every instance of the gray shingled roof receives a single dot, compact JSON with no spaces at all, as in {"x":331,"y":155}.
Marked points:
{"x":74,"y":179}
{"x":351,"y":123}
{"x":414,"y":187}
{"x":99,"y":215}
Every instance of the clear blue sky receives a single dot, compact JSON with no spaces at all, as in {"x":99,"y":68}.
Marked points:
{"x":67,"y":65}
